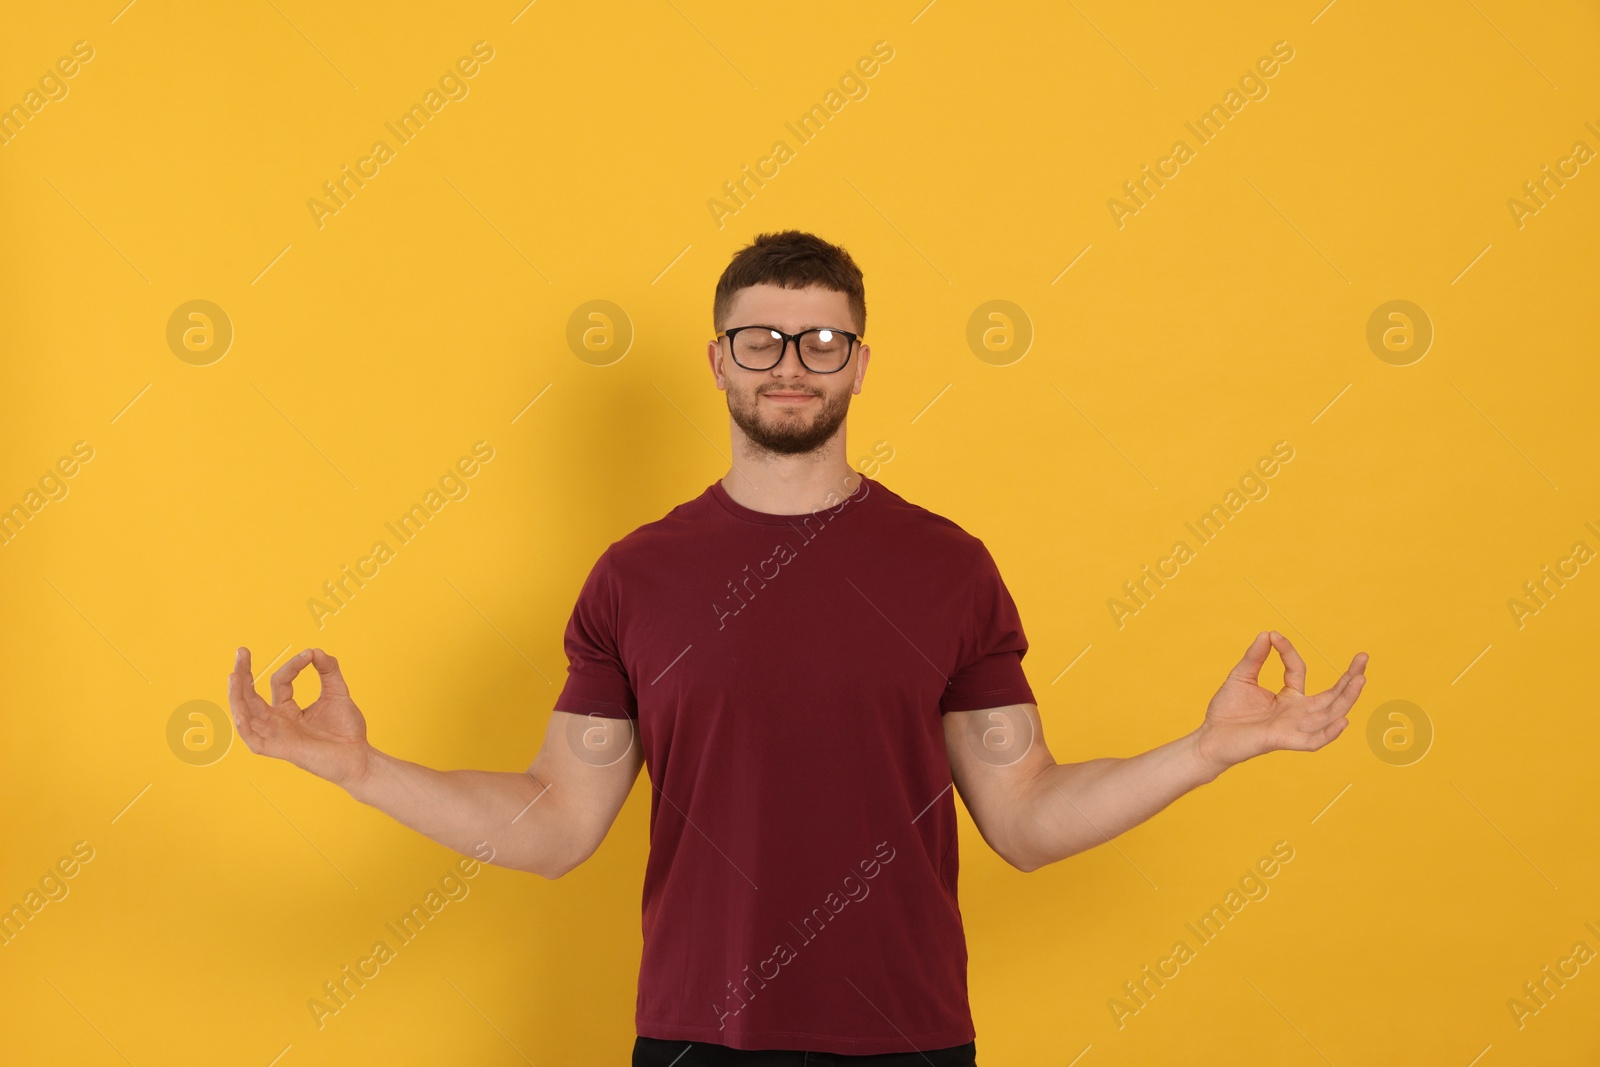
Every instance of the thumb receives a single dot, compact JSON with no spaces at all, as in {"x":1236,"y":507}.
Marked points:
{"x":1249,"y":668}
{"x":328,"y":675}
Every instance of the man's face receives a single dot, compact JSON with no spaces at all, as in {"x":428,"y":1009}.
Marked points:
{"x":788,"y":410}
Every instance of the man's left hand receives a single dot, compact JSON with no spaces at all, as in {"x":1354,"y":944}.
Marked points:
{"x":1245,"y":720}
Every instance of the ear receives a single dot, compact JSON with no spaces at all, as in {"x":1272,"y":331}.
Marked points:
{"x":714,"y":358}
{"x":862,"y":355}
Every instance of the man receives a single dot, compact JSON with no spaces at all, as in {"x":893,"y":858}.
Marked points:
{"x":811,"y":663}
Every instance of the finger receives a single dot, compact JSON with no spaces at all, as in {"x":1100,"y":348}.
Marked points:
{"x":1324,"y":700}
{"x":1332,"y":730}
{"x":1314,"y":733}
{"x":1311,"y":742}
{"x":1319,"y":720}
{"x":1249,"y":668}
{"x":242,"y":698}
{"x":283,"y":680}
{"x":1358,"y":665}
{"x":328,"y":674}
{"x":1294,"y":668}
{"x":240,"y":683}
{"x":1348,"y":695}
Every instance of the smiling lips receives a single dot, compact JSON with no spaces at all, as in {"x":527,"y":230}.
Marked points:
{"x":788,"y":398}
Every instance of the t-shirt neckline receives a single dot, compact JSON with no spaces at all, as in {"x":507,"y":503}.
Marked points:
{"x":842,"y":507}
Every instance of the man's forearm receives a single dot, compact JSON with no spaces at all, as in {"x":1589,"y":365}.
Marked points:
{"x":501,"y":817}
{"x":1070,"y":807}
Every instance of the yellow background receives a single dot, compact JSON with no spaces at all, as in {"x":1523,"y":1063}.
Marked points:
{"x":370,"y":353}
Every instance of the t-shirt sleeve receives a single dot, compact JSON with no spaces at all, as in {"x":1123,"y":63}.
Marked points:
{"x":989,"y":673}
{"x":597,"y":681}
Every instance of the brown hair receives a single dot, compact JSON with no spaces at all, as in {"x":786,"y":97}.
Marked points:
{"x":793,"y":259}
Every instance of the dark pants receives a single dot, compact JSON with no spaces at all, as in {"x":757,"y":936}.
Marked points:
{"x":653,"y":1052}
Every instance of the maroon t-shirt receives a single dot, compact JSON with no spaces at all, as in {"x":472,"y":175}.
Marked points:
{"x":787,"y":675}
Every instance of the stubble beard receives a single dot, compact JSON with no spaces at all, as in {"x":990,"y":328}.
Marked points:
{"x":786,"y":433}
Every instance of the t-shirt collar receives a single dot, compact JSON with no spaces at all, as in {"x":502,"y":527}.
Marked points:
{"x":842,"y":505}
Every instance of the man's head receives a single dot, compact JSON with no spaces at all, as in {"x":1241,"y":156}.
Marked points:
{"x":790,"y":281}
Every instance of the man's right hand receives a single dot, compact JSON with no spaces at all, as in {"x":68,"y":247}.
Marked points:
{"x":547,"y":819}
{"x":327,"y":738}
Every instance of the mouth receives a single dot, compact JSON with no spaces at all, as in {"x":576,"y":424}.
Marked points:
{"x":789,"y":398}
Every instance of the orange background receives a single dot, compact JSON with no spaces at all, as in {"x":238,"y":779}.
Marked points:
{"x":1165,"y":357}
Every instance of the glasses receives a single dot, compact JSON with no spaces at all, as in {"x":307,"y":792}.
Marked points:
{"x":822,"y":349}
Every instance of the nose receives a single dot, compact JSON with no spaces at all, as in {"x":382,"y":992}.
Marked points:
{"x":787,"y":367}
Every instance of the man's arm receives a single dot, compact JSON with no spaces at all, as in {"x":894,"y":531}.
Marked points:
{"x":1034,"y":811}
{"x":546,"y":820}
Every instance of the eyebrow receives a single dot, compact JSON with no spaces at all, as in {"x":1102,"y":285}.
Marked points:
{"x":767,"y":326}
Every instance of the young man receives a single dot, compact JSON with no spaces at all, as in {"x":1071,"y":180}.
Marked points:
{"x":811,"y":662}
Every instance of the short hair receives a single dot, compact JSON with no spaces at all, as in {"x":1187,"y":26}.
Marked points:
{"x":793,"y":259}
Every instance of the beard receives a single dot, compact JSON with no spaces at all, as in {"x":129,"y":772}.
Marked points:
{"x":784,"y":432}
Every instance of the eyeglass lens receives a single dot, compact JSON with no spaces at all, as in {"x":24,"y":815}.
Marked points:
{"x":821,"y":349}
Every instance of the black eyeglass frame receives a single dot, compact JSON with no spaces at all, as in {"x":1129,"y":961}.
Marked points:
{"x":795,"y":337}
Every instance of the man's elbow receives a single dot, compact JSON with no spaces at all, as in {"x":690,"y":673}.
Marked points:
{"x":1029,"y":854}
{"x":547,"y":859}
{"x":1023,"y":855}
{"x":1025,"y":862}
{"x":1023,"y":843}
{"x":547,"y":870}
{"x":555,"y":862}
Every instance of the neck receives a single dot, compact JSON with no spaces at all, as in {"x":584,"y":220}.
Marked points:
{"x":791,"y":485}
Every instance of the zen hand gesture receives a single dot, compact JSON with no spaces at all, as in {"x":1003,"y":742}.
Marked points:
{"x":328,"y":737}
{"x":1245,"y":720}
